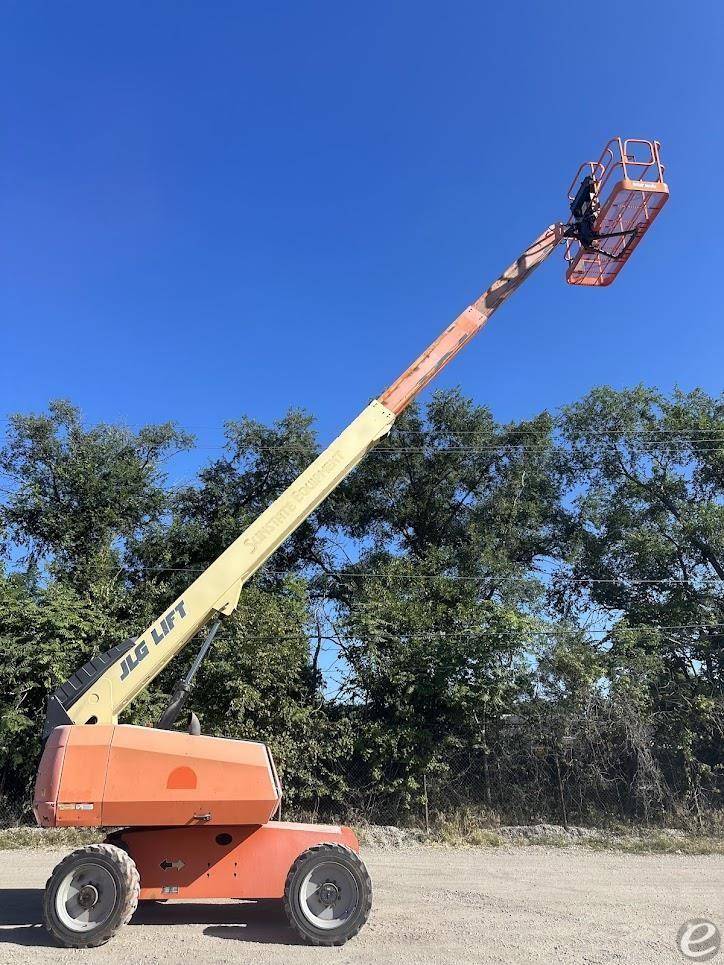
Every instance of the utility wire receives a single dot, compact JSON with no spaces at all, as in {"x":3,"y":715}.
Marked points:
{"x":713,"y":444}
{"x":399,"y":430}
{"x":465,"y":632}
{"x":354,"y":574}
{"x":477,"y":631}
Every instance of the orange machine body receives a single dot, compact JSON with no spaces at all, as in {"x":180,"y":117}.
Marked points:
{"x":201,"y":807}
{"x":105,"y":776}
{"x":231,"y":861}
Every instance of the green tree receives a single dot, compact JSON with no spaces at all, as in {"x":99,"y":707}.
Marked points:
{"x":76,"y":497}
{"x":76,"y":494}
{"x":260,"y":462}
{"x":646,"y":549}
{"x":409,"y":636}
{"x":47,"y":631}
{"x":452,"y":512}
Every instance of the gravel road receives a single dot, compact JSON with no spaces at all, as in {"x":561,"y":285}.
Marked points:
{"x":508,"y":905}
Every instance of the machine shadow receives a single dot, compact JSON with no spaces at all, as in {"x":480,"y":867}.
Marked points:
{"x":261,"y":921}
{"x":21,"y":917}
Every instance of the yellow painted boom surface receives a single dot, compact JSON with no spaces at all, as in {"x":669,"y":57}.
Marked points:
{"x":101,"y":689}
{"x":216,"y":590}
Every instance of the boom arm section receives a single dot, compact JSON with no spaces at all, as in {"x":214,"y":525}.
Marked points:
{"x":102,"y":688}
{"x":98,"y":693}
{"x":447,"y":345}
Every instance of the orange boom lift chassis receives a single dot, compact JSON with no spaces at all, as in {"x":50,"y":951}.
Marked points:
{"x":196,"y":812}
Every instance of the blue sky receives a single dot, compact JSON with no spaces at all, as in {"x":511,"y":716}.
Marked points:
{"x":220,"y":209}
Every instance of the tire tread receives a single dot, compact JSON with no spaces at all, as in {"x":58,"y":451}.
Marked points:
{"x":131,"y":886}
{"x":349,"y":854}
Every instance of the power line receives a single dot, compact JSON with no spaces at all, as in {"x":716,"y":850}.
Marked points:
{"x":443,"y":576}
{"x":400,"y":430}
{"x":354,"y":574}
{"x":466,"y":632}
{"x":478,"y":631}
{"x":588,"y":432}
{"x":713,"y":444}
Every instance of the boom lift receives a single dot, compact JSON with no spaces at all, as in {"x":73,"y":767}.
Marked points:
{"x":196,"y":811}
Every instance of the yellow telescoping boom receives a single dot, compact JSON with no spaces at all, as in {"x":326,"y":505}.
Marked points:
{"x":613,"y":202}
{"x":103,"y":687}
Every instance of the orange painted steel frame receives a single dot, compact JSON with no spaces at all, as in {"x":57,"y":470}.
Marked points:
{"x":629,"y":177}
{"x":204,"y":805}
{"x":97,"y":775}
{"x":223,"y":862}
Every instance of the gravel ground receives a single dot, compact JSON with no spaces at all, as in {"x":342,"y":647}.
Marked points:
{"x":431,"y":905}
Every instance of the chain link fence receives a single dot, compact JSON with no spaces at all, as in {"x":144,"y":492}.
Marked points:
{"x":597,"y":766}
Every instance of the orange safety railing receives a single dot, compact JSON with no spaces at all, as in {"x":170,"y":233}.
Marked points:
{"x":631,"y":190}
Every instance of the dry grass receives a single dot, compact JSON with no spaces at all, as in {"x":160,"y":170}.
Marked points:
{"x":12,"y":839}
{"x":659,"y":842}
{"x":471,"y":828}
{"x":461,"y":831}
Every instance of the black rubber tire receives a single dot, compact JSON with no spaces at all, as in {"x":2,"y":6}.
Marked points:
{"x":121,"y":867}
{"x":298,"y":872}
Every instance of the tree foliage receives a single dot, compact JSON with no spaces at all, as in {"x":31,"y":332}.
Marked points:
{"x":524,"y":617}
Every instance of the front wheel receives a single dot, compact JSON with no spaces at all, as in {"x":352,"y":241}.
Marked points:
{"x":328,"y":894}
{"x":90,"y":895}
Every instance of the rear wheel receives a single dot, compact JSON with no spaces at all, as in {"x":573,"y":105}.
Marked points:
{"x":90,"y":894}
{"x":328,"y":894}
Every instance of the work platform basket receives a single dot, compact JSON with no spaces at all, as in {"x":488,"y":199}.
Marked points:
{"x":618,"y":197}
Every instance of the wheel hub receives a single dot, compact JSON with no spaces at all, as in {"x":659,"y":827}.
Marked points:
{"x":88,"y":896}
{"x":329,"y":893}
